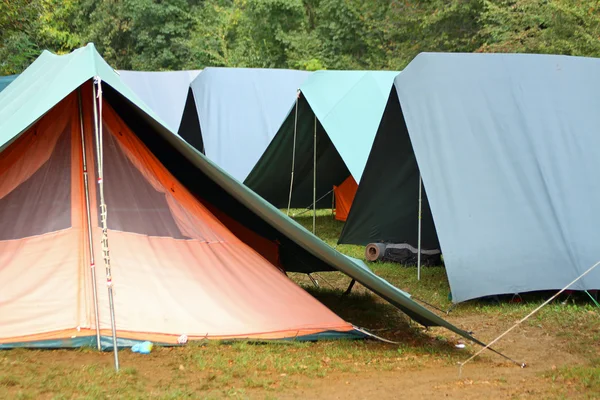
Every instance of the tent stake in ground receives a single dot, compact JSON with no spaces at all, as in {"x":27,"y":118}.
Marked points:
{"x":89,"y":222}
{"x":103,"y":212}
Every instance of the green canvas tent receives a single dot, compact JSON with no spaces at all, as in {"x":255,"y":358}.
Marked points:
{"x":138,"y":150}
{"x":339,"y":111}
{"x":391,"y":173}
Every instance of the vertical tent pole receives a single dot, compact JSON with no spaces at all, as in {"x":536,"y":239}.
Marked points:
{"x":333,"y":203}
{"x":103,"y":212}
{"x":419,"y":231}
{"x":89,"y":222}
{"x":293,"y":153}
{"x":315,"y":178}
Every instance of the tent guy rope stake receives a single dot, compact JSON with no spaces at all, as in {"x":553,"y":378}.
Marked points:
{"x":293,"y":154}
{"x":103,"y":210}
{"x":89,"y":222}
{"x":523,"y":365}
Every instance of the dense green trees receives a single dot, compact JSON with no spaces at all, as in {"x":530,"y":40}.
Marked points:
{"x":302,"y":34}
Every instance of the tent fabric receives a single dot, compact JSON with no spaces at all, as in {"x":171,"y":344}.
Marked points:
{"x":240,"y":110}
{"x":49,"y":79}
{"x":508,"y":167}
{"x":348,"y":106}
{"x":386,"y":205}
{"x":505,"y":144}
{"x":165,"y":92}
{"x":6,"y":80}
{"x":160,"y":276}
{"x":193,"y":182}
{"x":344,"y":196}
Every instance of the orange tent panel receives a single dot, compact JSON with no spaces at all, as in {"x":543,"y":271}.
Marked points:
{"x":344,"y":196}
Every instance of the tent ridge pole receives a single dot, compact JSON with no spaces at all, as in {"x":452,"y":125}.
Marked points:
{"x":103,"y":211}
{"x":419,"y":229}
{"x":293,"y":154}
{"x":315,"y":178}
{"x":89,"y":222}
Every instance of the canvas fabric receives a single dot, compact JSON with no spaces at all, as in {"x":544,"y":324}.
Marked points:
{"x":176,"y":268}
{"x":344,"y":196}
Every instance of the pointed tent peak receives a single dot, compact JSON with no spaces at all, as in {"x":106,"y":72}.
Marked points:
{"x":331,"y":86}
{"x":349,"y":105}
{"x":48,"y":80}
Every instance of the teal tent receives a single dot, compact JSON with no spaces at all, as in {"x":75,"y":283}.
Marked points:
{"x":51,"y":79}
{"x":343,"y":109}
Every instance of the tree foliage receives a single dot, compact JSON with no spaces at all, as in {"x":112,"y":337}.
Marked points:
{"x":301,"y":34}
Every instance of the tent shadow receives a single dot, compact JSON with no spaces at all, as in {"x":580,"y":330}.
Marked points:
{"x":384,"y":320}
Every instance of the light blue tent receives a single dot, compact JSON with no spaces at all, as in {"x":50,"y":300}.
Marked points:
{"x":164,"y":92}
{"x":239,"y":111}
{"x":507,"y":146}
{"x":6,"y":80}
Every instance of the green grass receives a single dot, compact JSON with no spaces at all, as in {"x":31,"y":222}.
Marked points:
{"x":242,"y":369}
{"x":585,"y":378}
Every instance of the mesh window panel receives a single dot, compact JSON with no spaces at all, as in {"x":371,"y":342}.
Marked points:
{"x":42,"y":203}
{"x":133,"y":204}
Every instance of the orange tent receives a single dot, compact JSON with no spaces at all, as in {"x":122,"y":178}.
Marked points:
{"x":176,"y":268}
{"x":344,"y":196}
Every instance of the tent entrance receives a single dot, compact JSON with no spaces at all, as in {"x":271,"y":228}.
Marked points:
{"x":391,"y":174}
{"x":273,"y":170}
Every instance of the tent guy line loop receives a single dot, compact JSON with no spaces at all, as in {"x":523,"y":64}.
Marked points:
{"x":523,"y":365}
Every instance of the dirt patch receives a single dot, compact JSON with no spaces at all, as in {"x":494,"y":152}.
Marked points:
{"x":317,"y":370}
{"x":489,"y":376}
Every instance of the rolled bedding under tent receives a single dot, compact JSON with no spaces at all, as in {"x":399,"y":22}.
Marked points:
{"x":402,"y":253}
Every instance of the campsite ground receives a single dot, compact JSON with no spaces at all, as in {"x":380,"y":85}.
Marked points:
{"x":561,"y":346}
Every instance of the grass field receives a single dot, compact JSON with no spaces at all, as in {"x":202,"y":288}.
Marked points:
{"x":561,"y":346}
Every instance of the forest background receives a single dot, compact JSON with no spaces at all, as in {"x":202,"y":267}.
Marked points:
{"x":298,"y":34}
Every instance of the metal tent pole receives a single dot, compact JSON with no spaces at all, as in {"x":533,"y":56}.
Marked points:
{"x":315,"y":178}
{"x":89,"y":222}
{"x":103,"y":212}
{"x":419,"y":231}
{"x":293,"y":153}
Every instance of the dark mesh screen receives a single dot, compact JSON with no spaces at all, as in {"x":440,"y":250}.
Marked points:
{"x":42,"y":203}
{"x":133,"y":204}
